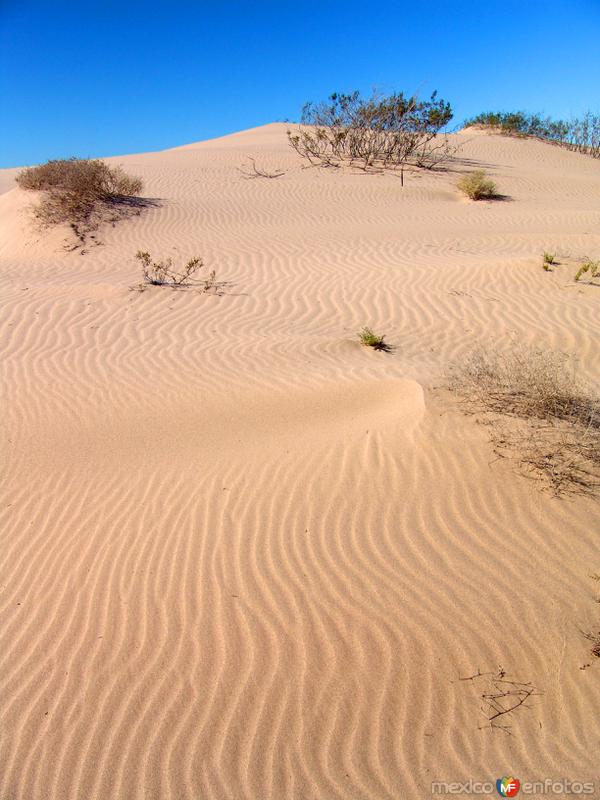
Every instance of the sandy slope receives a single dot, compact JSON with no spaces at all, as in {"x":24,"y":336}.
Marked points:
{"x":244,"y":557}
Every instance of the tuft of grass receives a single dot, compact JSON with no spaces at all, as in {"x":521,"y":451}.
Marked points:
{"x":370,"y":339}
{"x":81,"y":193}
{"x":549,"y":259}
{"x":555,"y":432}
{"x":478,"y":186}
{"x":593,"y":267}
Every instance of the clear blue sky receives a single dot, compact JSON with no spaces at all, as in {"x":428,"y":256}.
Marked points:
{"x":99,"y":78}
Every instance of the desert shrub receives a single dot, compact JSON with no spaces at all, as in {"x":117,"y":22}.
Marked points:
{"x":370,"y":339}
{"x":549,"y":258}
{"x":593,"y":267}
{"x":581,"y":135}
{"x":374,"y":133}
{"x":477,"y":186}
{"x":80,"y":192}
{"x":556,"y":428}
{"x":161,"y":273}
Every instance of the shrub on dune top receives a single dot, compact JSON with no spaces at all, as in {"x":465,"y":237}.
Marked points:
{"x":375,"y":133}
{"x":582,"y":135}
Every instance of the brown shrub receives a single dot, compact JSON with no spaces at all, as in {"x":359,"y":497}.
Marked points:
{"x":80,"y":192}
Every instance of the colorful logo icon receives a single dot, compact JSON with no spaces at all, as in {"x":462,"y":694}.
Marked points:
{"x":508,"y":786}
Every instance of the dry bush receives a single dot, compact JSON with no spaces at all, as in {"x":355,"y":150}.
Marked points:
{"x":161,"y":273}
{"x":81,"y":193}
{"x":477,"y":186}
{"x":556,"y":430}
{"x":378,"y":133}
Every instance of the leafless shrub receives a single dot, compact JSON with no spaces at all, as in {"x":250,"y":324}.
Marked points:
{"x":161,"y":273}
{"x":379,"y":133}
{"x":82,"y":193}
{"x":555,"y":433}
{"x":252,"y":171}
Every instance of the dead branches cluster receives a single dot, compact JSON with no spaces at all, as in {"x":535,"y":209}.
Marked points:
{"x":501,"y":697}
{"x":250,"y":171}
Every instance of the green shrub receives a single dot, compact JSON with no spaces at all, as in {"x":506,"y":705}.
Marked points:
{"x":477,"y":186}
{"x":370,"y":339}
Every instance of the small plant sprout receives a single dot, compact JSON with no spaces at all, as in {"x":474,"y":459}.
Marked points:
{"x":548,"y":260}
{"x":370,"y":339}
{"x":161,"y":273}
{"x":593,"y":267}
{"x":477,"y":186}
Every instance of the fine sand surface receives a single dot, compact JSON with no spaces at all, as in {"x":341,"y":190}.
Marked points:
{"x":245,"y":558}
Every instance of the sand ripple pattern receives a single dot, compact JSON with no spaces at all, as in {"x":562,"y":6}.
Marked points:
{"x":242,"y":557}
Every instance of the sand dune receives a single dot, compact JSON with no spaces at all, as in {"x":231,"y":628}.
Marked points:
{"x":243,"y":556}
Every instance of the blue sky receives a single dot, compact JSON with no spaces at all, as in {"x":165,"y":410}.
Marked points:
{"x":91,"y":78}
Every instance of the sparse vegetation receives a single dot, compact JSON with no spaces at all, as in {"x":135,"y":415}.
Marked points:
{"x":82,"y":193}
{"x":478,"y":186}
{"x":593,"y":267}
{"x":556,"y":429}
{"x":378,"y":133}
{"x":593,"y":636}
{"x":161,"y":273}
{"x":370,"y":339}
{"x":549,"y":258}
{"x":580,"y":135}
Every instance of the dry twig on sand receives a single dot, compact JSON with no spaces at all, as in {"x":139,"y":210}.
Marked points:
{"x":502,"y":697}
{"x":252,"y":171}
